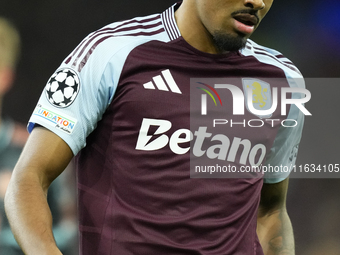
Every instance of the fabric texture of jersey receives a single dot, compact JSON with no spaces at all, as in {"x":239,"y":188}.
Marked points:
{"x":135,"y":191}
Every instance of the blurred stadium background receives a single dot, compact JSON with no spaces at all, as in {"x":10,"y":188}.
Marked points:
{"x":306,"y":31}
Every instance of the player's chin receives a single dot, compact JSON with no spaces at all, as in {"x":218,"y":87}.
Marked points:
{"x":226,"y":42}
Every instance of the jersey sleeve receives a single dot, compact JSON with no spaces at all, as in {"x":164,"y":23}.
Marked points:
{"x":78,"y":93}
{"x":283,"y":154}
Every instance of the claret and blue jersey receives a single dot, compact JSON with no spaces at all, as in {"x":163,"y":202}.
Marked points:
{"x":123,"y":106}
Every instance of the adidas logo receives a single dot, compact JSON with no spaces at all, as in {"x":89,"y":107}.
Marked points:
{"x":163,"y":82}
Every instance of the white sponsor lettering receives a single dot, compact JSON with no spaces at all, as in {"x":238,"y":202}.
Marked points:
{"x":224,"y":150}
{"x":144,"y":138}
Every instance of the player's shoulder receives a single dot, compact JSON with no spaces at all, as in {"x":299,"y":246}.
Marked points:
{"x":135,"y":28}
{"x":270,"y":56}
{"x":116,"y":37}
{"x":258,"y":49}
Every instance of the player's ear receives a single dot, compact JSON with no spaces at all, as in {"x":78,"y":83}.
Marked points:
{"x":6,"y":79}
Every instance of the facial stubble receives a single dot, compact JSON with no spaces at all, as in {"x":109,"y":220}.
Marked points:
{"x":226,"y":42}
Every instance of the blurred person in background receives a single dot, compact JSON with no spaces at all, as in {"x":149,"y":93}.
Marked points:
{"x":13,"y":136}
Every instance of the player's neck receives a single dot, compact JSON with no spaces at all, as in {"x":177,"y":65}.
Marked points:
{"x":192,"y":29}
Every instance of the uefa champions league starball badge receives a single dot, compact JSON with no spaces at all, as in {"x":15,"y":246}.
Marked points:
{"x":62,"y":88}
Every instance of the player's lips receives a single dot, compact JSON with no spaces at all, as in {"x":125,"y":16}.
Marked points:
{"x":245,"y":22}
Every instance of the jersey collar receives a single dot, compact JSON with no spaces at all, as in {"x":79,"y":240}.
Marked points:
{"x":169,"y":22}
